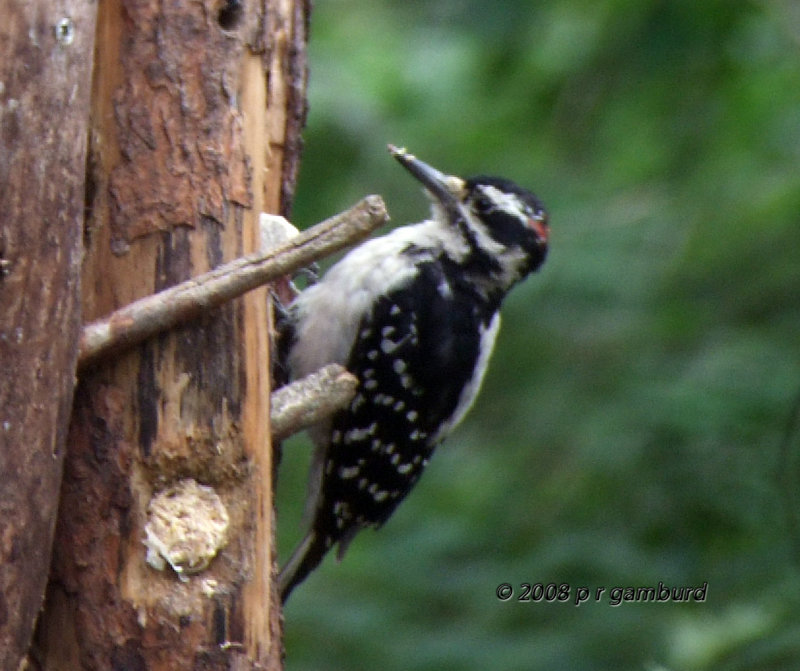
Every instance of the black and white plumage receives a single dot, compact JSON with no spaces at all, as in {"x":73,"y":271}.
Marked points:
{"x":413,"y":315}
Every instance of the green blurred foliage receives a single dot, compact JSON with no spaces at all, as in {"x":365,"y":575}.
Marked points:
{"x":632,"y":425}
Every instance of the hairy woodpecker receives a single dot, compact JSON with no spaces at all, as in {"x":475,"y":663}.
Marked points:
{"x":413,"y":315}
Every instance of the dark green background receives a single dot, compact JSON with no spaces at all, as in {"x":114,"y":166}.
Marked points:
{"x":633,"y":426}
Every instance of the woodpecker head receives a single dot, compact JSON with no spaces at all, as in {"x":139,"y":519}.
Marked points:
{"x":503,"y":225}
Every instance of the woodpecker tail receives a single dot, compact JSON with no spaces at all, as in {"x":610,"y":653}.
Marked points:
{"x":306,"y":557}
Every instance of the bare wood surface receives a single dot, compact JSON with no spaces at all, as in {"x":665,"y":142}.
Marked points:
{"x":188,"y":119}
{"x":46,"y":53}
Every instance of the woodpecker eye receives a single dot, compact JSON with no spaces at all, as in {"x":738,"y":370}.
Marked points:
{"x":483,"y":204}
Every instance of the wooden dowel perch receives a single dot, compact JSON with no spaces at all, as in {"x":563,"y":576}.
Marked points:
{"x":188,"y":300}
{"x":303,"y":403}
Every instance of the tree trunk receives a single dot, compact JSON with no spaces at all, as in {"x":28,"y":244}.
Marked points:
{"x":196,"y":110}
{"x":45,"y":76}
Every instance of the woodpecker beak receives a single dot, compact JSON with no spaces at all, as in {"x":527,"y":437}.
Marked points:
{"x":447,"y":189}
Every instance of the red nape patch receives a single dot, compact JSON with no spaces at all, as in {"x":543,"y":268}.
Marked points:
{"x":541,"y":229}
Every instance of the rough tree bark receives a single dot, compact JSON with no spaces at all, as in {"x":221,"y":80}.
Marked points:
{"x":46,"y":52}
{"x":195,"y":120}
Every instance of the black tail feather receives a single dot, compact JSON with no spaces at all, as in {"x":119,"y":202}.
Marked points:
{"x":306,"y":557}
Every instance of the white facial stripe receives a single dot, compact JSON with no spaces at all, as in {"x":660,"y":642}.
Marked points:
{"x":482,"y":236}
{"x":509,"y":258}
{"x":506,"y":202}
